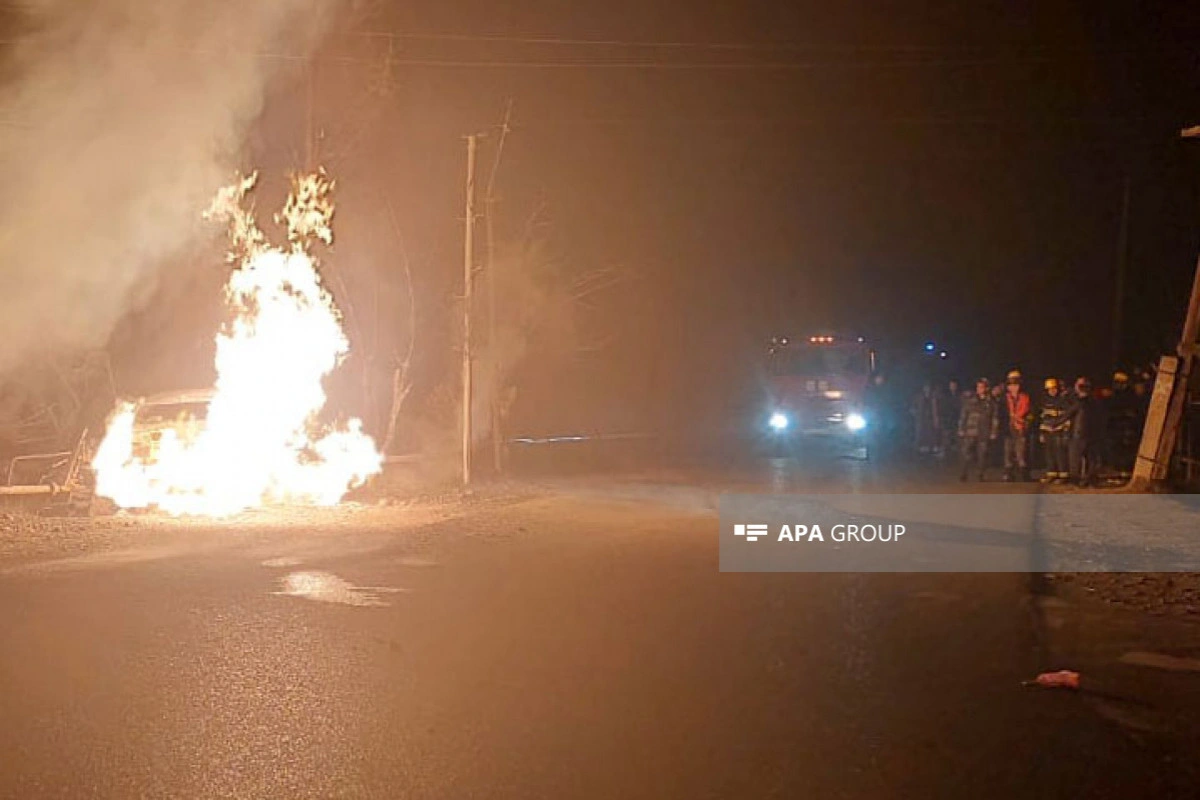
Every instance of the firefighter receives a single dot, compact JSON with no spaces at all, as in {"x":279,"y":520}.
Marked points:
{"x":1142,"y":386}
{"x":978,"y":425}
{"x":1018,"y":414}
{"x":1122,"y":420}
{"x":1083,"y":415}
{"x":1053,"y":429}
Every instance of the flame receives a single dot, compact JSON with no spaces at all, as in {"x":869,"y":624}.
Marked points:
{"x":260,"y":441}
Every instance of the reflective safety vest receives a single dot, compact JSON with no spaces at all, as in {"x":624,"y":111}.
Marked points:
{"x":1019,"y":414}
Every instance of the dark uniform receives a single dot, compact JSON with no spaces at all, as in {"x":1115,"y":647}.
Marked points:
{"x":995,"y":457}
{"x":1083,"y":446}
{"x":1053,"y":430}
{"x":978,"y":424}
{"x":1124,"y":424}
{"x":951,"y":407}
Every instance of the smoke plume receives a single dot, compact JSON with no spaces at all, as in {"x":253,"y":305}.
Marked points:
{"x":118,"y":121}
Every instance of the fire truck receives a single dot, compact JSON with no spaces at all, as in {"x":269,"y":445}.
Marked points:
{"x":817,"y":387}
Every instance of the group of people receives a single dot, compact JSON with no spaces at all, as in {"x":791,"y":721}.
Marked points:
{"x":1074,"y":429}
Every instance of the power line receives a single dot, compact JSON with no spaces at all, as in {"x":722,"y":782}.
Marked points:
{"x":908,"y":56}
{"x":572,"y":42}
{"x":736,"y":46}
{"x":716,"y":65}
{"x":667,"y":66}
{"x":828,"y":56}
{"x":865,"y":121}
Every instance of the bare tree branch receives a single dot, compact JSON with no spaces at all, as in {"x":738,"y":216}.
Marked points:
{"x":401,"y":383}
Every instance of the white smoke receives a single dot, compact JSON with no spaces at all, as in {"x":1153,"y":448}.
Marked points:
{"x":118,"y":120}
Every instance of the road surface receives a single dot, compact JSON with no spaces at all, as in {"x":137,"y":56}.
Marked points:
{"x":570,"y":640}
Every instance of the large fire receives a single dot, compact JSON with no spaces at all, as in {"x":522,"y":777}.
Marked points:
{"x":260,"y":441}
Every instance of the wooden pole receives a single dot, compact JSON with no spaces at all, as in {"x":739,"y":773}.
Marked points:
{"x":468,"y":280}
{"x":1167,"y":404}
{"x":489,"y":200}
{"x":1169,"y":399}
{"x":1191,"y":323}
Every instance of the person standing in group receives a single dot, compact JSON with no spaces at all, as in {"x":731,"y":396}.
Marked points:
{"x":1142,"y":387}
{"x":876,"y":400}
{"x":996,"y":454}
{"x":1018,"y":414}
{"x":1123,"y":424}
{"x":951,"y":407}
{"x":927,"y":418}
{"x":997,"y":391}
{"x":1053,"y":430}
{"x":978,"y":426}
{"x":1083,"y":415}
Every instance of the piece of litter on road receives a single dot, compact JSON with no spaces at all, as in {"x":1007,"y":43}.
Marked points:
{"x":1063,"y":679}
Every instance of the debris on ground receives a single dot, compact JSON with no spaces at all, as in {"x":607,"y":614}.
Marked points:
{"x":25,"y":524}
{"x":22,"y":532}
{"x":1175,"y":594}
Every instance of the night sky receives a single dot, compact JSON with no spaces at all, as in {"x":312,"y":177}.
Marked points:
{"x":955,"y":172}
{"x":909,"y":171}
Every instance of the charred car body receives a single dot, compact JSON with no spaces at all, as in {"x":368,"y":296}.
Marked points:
{"x":178,"y":414}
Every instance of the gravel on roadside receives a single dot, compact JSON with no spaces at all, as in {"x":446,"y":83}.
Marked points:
{"x":1173,"y":594}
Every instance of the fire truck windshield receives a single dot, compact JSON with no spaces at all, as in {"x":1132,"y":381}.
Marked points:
{"x":819,"y":360}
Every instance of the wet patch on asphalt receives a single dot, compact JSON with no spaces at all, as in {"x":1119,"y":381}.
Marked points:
{"x":282,"y":562}
{"x":325,"y":587}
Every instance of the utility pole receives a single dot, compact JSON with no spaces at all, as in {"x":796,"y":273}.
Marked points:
{"x":1118,"y":312}
{"x":489,"y":200}
{"x":468,"y":279}
{"x":1169,"y":399}
{"x":1167,"y":404}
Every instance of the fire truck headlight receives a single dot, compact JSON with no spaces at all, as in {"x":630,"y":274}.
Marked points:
{"x":778,"y":421}
{"x":856,"y":422}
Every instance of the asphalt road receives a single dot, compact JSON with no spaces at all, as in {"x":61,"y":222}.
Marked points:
{"x":571,"y":641}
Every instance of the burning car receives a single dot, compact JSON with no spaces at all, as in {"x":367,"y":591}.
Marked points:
{"x":178,"y":414}
{"x":258,"y":437}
